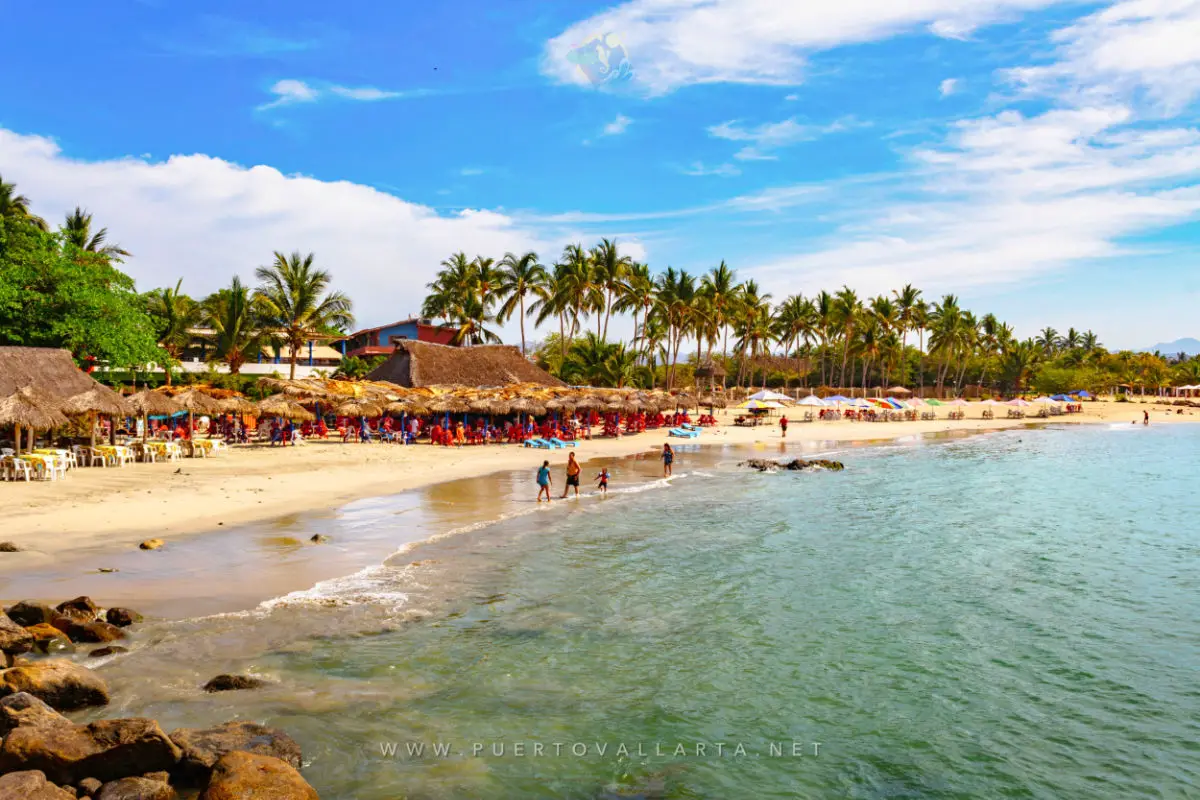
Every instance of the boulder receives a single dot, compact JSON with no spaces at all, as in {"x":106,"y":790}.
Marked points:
{"x":29,"y":613}
{"x":14,"y":639}
{"x":107,"y":750}
{"x":9,"y":547}
{"x":203,"y":747}
{"x":61,"y":684}
{"x":30,"y":785}
{"x":765,"y":465}
{"x":81,"y":608}
{"x":136,"y":789}
{"x":49,"y":639}
{"x":230,"y":683}
{"x":88,"y":787}
{"x":23,"y":709}
{"x":111,"y":650}
{"x":93,"y":632}
{"x":246,"y":776}
{"x":151,"y":544}
{"x":122,"y":617}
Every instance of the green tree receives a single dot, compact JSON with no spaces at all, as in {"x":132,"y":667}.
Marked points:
{"x":16,"y":206}
{"x":175,"y":315}
{"x":609,"y":269}
{"x":77,"y":229}
{"x":519,"y":277}
{"x":237,"y":319}
{"x":295,"y":301}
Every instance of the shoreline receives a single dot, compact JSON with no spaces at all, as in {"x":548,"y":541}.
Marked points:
{"x":108,"y":511}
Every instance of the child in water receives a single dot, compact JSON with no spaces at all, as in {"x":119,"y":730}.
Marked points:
{"x":602,"y":481}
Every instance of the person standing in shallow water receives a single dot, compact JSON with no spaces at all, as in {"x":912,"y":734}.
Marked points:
{"x":783,"y":426}
{"x":1145,"y":417}
{"x":544,"y":480}
{"x":668,"y":457}
{"x":573,"y":470}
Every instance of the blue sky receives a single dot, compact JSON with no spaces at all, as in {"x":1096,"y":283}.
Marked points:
{"x":1038,"y":158}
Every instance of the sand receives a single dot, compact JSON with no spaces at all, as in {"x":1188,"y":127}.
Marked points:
{"x":116,"y":508}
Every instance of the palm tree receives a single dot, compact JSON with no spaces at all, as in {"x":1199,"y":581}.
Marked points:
{"x":1072,"y":340}
{"x":236,"y":319}
{"x":845,"y":315}
{"x":577,"y":281}
{"x":177,"y":315}
{"x":920,"y":317}
{"x":907,"y":301}
{"x":721,"y":286}
{"x":795,"y":320}
{"x":16,"y":206}
{"x":519,"y":277}
{"x":486,"y":279}
{"x":609,"y":269}
{"x":637,"y":294}
{"x":78,"y":231}
{"x":751,"y":324}
{"x":823,"y":303}
{"x":295,"y":302}
{"x":1048,"y":340}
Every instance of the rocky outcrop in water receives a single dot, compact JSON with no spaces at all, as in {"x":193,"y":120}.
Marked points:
{"x":93,"y":632}
{"x":239,"y":776}
{"x":232,"y":683}
{"x":81,"y":608}
{"x":137,"y":789}
{"x":122,"y":617}
{"x":202,"y":748}
{"x":14,"y":640}
{"x":107,"y":750}
{"x":29,"y":613}
{"x":61,"y":684}
{"x":112,"y":650}
{"x":799,"y":464}
{"x":24,"y":710}
{"x":9,"y":547}
{"x":31,"y":785}
{"x":48,"y":639}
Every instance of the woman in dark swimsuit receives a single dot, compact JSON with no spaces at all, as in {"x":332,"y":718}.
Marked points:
{"x":668,"y":457}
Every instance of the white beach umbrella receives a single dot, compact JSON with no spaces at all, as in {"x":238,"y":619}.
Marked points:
{"x":813,"y":400}
{"x":767,"y":394}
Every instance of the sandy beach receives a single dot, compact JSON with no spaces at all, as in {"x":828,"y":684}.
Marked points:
{"x":117,"y":508}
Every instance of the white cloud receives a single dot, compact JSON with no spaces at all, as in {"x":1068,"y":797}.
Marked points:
{"x":791,"y":98}
{"x":773,"y":135}
{"x":290,"y":92}
{"x":673,"y":43}
{"x":617,"y":126}
{"x":721,"y":170}
{"x":948,"y":87}
{"x":205,"y":220}
{"x":470,"y":172}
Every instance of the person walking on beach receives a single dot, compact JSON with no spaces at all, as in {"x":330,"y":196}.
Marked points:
{"x":668,"y":457}
{"x":602,"y":481}
{"x":573,"y":470}
{"x":544,"y":480}
{"x":1145,"y":417}
{"x":783,"y":426}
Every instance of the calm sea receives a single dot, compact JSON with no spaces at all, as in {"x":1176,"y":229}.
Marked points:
{"x":1010,"y":615}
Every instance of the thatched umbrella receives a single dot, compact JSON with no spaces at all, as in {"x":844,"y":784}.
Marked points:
{"x":239,"y":405}
{"x":359,"y":408}
{"x":277,"y":405}
{"x":24,"y":409}
{"x":196,"y":402}
{"x":148,"y":403}
{"x":97,"y":400}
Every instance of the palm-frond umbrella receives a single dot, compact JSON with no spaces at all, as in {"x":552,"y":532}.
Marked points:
{"x":147,"y":403}
{"x":239,"y":405}
{"x":23,"y":408}
{"x":197,"y":402}
{"x":359,"y":408}
{"x":97,"y":400}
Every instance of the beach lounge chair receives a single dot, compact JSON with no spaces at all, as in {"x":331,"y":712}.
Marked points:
{"x":684,"y":433}
{"x":560,"y":443}
{"x":538,"y":443}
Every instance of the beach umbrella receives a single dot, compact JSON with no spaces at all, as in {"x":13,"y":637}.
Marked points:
{"x":1083,"y":393}
{"x":837,"y":398}
{"x":238,"y":405}
{"x":1062,"y":398}
{"x":196,"y":402}
{"x":813,"y":400}
{"x":894,"y":403}
{"x":1019,"y":403}
{"x":562,"y":404}
{"x":97,"y":400}
{"x":933,"y":401}
{"x":24,"y":409}
{"x":990,"y":402}
{"x":359,"y":408}
{"x":1043,"y":399}
{"x":767,"y":394}
{"x":147,"y":404}
{"x":958,"y":401}
{"x":899,"y":390}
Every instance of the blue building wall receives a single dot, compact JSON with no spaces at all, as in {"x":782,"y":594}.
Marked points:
{"x":408,"y":331}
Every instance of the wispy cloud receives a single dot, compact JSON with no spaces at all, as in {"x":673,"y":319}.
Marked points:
{"x":775,"y":135}
{"x":698,"y":169}
{"x":213,"y":36}
{"x":617,"y":126}
{"x":291,"y":91}
{"x":470,"y":172}
{"x":948,"y":87}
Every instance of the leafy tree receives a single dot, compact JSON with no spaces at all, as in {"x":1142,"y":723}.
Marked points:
{"x":237,"y":319}
{"x":174,"y":315}
{"x":78,"y":231}
{"x":52,"y":294}
{"x":293,"y":299}
{"x":16,"y":206}
{"x":356,"y":368}
{"x":520,"y":276}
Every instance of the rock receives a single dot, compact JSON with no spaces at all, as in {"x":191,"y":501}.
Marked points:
{"x":764,"y":465}
{"x":318,"y":538}
{"x":136,"y":789}
{"x":48,"y":639}
{"x":107,"y":750}
{"x":9,"y":547}
{"x":23,"y":709}
{"x":89,"y":632}
{"x":14,"y":639}
{"x":61,"y":684}
{"x":122,"y":617}
{"x":230,"y":683}
{"x":203,"y":747}
{"x":81,"y":608}
{"x":6,"y":659}
{"x":30,"y":785}
{"x":29,"y":613}
{"x":245,"y":776}
{"x":88,"y":787}
{"x":161,"y":777}
{"x":151,"y":544}
{"x":111,"y":650}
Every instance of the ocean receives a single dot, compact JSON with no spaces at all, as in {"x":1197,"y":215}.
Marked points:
{"x":1015,"y":614}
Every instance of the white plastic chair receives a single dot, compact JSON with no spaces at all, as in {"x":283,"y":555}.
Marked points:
{"x":14,"y":466}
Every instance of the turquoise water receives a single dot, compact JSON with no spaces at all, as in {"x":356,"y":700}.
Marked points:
{"x":1013,"y":615}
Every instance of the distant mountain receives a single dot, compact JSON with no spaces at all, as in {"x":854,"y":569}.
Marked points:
{"x":1189,"y":346}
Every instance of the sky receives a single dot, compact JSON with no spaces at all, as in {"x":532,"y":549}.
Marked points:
{"x":1038,"y":158}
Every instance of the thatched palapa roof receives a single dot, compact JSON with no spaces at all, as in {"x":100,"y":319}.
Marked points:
{"x":416,"y":364}
{"x":23,"y":407}
{"x":154,"y":404}
{"x":50,"y":374}
{"x":97,"y":400}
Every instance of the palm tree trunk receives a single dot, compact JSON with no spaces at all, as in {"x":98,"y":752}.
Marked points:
{"x":607,"y":312}
{"x":522,"y":302}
